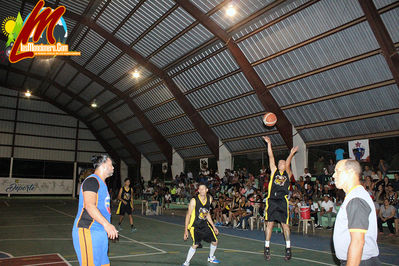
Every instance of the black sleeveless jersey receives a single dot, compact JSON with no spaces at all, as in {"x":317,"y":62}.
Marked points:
{"x":199,"y":214}
{"x":126,"y":195}
{"x":278,"y":185}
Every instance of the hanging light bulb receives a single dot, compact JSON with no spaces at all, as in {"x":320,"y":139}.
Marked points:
{"x":94,"y":104}
{"x":28,"y":93}
{"x":136,"y":74}
{"x":231,"y":11}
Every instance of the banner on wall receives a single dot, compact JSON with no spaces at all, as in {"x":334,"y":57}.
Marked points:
{"x":35,"y":186}
{"x":164,"y":168}
{"x":359,"y":150}
{"x":203,"y":164}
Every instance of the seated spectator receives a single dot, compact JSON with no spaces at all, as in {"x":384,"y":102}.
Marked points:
{"x":395,"y":182}
{"x":387,"y":215}
{"x":168,"y":199}
{"x":380,"y":195}
{"x":246,"y":214}
{"x":314,"y":209}
{"x":367,"y":171}
{"x":173,"y":193}
{"x":218,"y":211}
{"x":331,"y":167}
{"x":327,"y":210}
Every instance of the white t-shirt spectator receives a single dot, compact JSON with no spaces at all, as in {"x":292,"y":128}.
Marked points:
{"x":314,"y":207}
{"x":190,"y":175}
{"x":327,"y":205}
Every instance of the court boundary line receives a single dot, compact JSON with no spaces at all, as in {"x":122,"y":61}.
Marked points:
{"x":149,"y":246}
{"x":59,"y":255}
{"x":8,"y":254}
{"x":35,"y":239}
{"x":246,"y":238}
{"x":30,"y":225}
{"x":128,"y":256}
{"x":25,"y":256}
{"x":245,"y":251}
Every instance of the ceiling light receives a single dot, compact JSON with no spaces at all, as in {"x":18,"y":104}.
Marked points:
{"x":136,"y":74}
{"x":94,"y":104}
{"x":231,"y":11}
{"x":28,"y":93}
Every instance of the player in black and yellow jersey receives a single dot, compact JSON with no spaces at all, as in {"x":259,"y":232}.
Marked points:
{"x":277,"y":207}
{"x":200,"y":225}
{"x":125,"y":198}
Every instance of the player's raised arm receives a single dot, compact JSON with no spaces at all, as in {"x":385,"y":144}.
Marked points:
{"x":288,"y":161}
{"x":272,"y":163}
{"x":191,"y":207}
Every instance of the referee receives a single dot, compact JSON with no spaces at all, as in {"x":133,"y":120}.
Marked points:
{"x":355,"y":230}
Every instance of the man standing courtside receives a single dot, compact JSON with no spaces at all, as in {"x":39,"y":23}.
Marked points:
{"x":277,"y":206}
{"x":355,"y":230}
{"x":92,"y":226}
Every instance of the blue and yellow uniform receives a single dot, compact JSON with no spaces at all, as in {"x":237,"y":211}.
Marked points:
{"x":90,"y":239}
{"x":277,"y":206}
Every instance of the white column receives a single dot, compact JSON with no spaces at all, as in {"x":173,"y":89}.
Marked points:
{"x":123,"y":172}
{"x":225,"y":159}
{"x":145,"y":168}
{"x":177,"y":164}
{"x":300,"y":160}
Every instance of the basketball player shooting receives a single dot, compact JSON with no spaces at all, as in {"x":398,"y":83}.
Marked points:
{"x":277,"y":206}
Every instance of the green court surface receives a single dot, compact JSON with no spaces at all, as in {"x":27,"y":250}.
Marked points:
{"x":31,"y":227}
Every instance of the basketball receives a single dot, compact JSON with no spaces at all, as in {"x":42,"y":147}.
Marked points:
{"x":269,"y":119}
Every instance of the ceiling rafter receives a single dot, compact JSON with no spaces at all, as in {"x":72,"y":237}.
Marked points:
{"x":136,"y":155}
{"x":389,"y":51}
{"x":269,"y":103}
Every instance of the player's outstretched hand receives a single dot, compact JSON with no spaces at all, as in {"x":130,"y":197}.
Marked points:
{"x":294,"y":149}
{"x":111,"y":231}
{"x":185,"y":235}
{"x":267,"y":139}
{"x":216,"y":230}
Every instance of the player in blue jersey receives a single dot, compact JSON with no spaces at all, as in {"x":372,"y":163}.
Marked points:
{"x":92,"y":226}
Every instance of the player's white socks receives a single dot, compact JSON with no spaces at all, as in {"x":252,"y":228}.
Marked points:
{"x":267,"y":243}
{"x":190,"y":254}
{"x":212,"y":250}
{"x":288,"y":244}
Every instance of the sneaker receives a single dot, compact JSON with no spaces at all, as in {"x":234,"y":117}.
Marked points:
{"x":133,"y":229}
{"x":288,"y":254}
{"x":213,"y":260}
{"x":266,"y":253}
{"x":238,"y":225}
{"x":186,"y":263}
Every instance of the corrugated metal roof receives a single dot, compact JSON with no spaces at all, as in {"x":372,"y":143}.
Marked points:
{"x":126,"y":83}
{"x":120,"y":67}
{"x":156,"y":95}
{"x":85,"y":111}
{"x":120,"y":113}
{"x":32,"y":84}
{"x":253,"y":143}
{"x":353,"y":128}
{"x":139,"y":136}
{"x":241,"y":128}
{"x":13,"y":7}
{"x":130,"y":125}
{"x":52,"y":92}
{"x":115,"y":143}
{"x":103,"y":58}
{"x":360,"y":73}
{"x":219,"y":91}
{"x":148,"y":147}
{"x":107,"y":133}
{"x":75,"y":6}
{"x":115,"y":12}
{"x":380,"y":99}
{"x":195,"y":58}
{"x":104,"y":97}
{"x":65,"y":75}
{"x":382,"y":3}
{"x":93,"y":89}
{"x":23,"y":64}
{"x":15,"y":80}
{"x":175,"y":126}
{"x":211,"y":69}
{"x":74,"y":106}
{"x":140,"y":89}
{"x":142,"y":19}
{"x":156,"y":157}
{"x":244,"y":9}
{"x":186,"y":140}
{"x":312,"y":21}
{"x":100,"y":6}
{"x":123,"y":153}
{"x":243,"y":106}
{"x":88,"y":47}
{"x":206,"y":5}
{"x":41,"y":67}
{"x":163,"y":112}
{"x":112,"y":106}
{"x":63,"y":99}
{"x":79,"y":83}
{"x":199,"y":151}
{"x":345,"y":44}
{"x":164,"y":31}
{"x":79,"y":36}
{"x":390,"y":20}
{"x":190,"y":40}
{"x":99,"y":123}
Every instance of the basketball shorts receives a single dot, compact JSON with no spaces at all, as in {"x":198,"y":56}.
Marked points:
{"x":91,"y":246}
{"x":277,"y":210}
{"x":122,"y":208}
{"x":205,"y":233}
